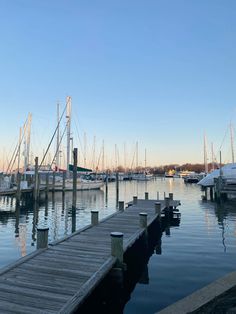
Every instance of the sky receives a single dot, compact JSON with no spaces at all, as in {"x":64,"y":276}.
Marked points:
{"x":160,"y":72}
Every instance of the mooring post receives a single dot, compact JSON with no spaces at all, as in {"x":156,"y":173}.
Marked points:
{"x":121,"y":205}
{"x":158,"y":208}
{"x":164,"y":195}
{"x":117,"y":188}
{"x":117,"y":247}
{"x":75,"y":153}
{"x":167,"y":202}
{"x":171,"y":196}
{"x":63,"y":181}
{"x":146,"y":195}
{"x":158,"y":195}
{"x":211,"y":194}
{"x":135,"y":200}
{"x":143,"y":220}
{"x":94,"y":217}
{"x":47,"y":184}
{"x":36,"y":179}
{"x":42,"y":238}
{"x":18,"y":192}
{"x":53,"y":181}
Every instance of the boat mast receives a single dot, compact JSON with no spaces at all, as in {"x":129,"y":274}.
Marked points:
{"x":103,"y":167}
{"x":137,"y":156}
{"x":26,"y":134}
{"x":58,"y":138}
{"x":205,"y":155}
{"x":85,"y":148}
{"x":212,"y":157}
{"x":68,"y":123}
{"x":232,"y":141}
{"x":19,"y":147}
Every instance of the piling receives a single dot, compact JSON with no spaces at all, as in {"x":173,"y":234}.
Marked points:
{"x":143,"y":220}
{"x":158,"y":208}
{"x":211,"y":194}
{"x":47,"y":184}
{"x":63,"y":181}
{"x":42,"y":238}
{"x":117,"y":247}
{"x":94,"y":217}
{"x":117,"y":188}
{"x":121,"y":205}
{"x":75,"y":153}
{"x":36,"y":180}
{"x":171,"y":196}
{"x":146,"y":195}
{"x":135,"y":200}
{"x":53,"y":181}
{"x":18,"y":193}
{"x":167,"y":202}
{"x":158,"y":195}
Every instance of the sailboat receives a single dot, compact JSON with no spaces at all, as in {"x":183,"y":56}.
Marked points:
{"x":84,"y":180}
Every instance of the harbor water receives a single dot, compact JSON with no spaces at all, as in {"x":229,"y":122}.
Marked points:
{"x":199,"y":250}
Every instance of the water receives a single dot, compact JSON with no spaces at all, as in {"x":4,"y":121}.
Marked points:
{"x":201,"y":249}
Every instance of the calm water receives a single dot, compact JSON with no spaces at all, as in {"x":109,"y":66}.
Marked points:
{"x":200,"y":250}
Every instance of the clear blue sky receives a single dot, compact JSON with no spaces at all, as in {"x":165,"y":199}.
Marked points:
{"x":158,"y":71}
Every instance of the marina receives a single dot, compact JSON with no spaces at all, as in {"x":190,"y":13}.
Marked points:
{"x":213,"y":231}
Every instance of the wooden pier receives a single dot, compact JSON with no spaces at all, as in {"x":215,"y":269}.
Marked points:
{"x":59,"y":278}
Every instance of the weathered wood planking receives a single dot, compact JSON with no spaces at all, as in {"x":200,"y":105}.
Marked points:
{"x":58,"y":279}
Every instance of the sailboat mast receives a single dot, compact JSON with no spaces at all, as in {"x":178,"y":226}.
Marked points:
{"x":85,"y":149}
{"x":58,"y":137}
{"x":136,"y":155}
{"x":232,"y":141}
{"x":103,"y":166}
{"x":212,"y":157}
{"x":205,"y":155}
{"x":68,"y":117}
{"x":19,"y":149}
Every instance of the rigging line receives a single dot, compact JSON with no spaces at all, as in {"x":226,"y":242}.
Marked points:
{"x":223,"y":140}
{"x":53,"y":136}
{"x":79,"y":139}
{"x":17,"y":152}
{"x":99,"y":158}
{"x":58,"y":147}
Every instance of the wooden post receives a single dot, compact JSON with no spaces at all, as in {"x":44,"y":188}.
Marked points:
{"x":94,"y":217}
{"x":143,"y":220}
{"x":117,"y":247}
{"x":47,"y":184}
{"x":63,"y":181}
{"x":164,"y":195}
{"x":135,"y":200}
{"x":42,"y":238}
{"x":117,"y":188}
{"x":167,"y":202}
{"x":36,"y":179}
{"x":75,"y":153}
{"x":171,"y":196}
{"x":18,"y":192}
{"x":146,"y":195}
{"x":121,"y":205}
{"x":53,"y":181}
{"x":158,"y":195}
{"x":158,"y":208}
{"x":211,"y":194}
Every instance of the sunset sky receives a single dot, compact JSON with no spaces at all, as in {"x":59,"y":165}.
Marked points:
{"x":160,"y":72}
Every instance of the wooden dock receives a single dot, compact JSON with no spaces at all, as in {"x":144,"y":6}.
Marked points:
{"x":59,"y":278}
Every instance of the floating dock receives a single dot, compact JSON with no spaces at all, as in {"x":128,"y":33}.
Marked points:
{"x":59,"y":278}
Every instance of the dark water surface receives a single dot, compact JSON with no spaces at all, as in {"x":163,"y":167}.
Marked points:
{"x":201,"y":249}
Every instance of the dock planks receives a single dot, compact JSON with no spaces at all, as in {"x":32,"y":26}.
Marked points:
{"x":58,"y":279}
